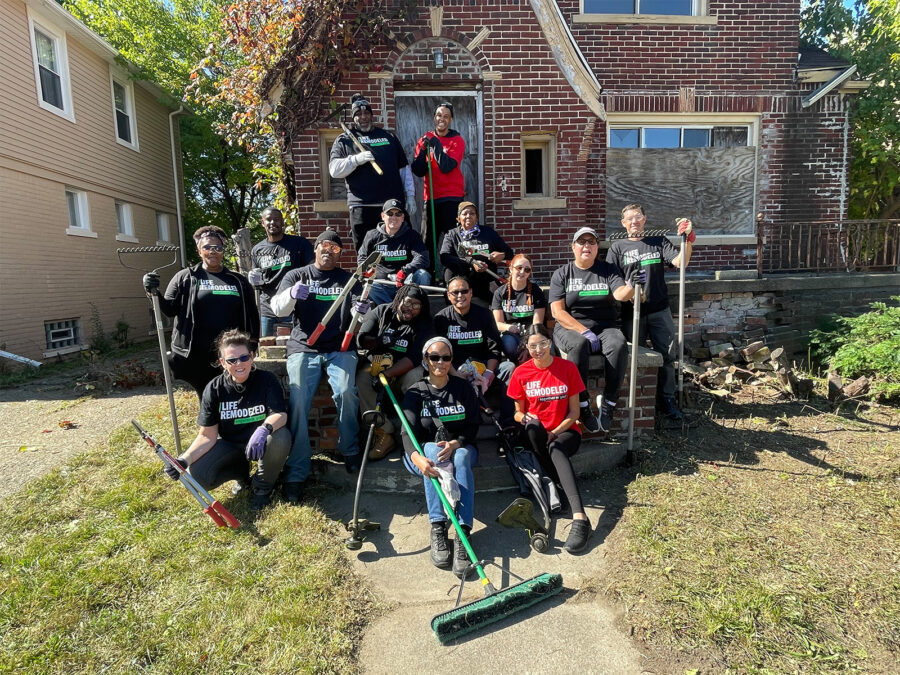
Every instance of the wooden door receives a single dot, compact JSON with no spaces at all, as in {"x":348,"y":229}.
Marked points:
{"x":415,"y":116}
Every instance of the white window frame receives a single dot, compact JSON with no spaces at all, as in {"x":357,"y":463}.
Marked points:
{"x":545,"y":141}
{"x":116,"y":76}
{"x":36,"y":22}
{"x":163,"y":234}
{"x":699,"y":15}
{"x":125,"y":222}
{"x":82,"y":214}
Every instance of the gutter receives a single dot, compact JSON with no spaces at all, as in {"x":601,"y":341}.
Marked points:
{"x":175,"y":183}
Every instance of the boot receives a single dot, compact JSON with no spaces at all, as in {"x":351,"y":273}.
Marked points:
{"x":382,"y":445}
{"x":440,"y":545}
{"x":461,"y":560}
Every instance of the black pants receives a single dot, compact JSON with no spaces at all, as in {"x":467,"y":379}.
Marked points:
{"x":501,"y":403}
{"x":226,"y":461}
{"x":363,"y":219}
{"x":445,"y":220}
{"x":578,"y":350}
{"x":554,"y":459}
{"x":197,"y":369}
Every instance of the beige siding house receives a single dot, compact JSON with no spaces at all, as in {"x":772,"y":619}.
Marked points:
{"x":86,"y":167}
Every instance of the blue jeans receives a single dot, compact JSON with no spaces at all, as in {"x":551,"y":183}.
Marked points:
{"x":382,"y":293}
{"x":267,"y":325}
{"x":510,"y":343}
{"x":463,"y":460}
{"x":304,"y":372}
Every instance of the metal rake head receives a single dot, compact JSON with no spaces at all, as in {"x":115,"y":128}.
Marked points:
{"x":147,"y":249}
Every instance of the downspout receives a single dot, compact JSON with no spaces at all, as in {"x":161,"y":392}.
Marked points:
{"x":844,"y":171}
{"x":175,"y":183}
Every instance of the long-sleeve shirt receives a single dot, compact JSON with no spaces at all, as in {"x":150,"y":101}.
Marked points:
{"x":455,"y":405}
{"x":404,"y":250}
{"x":448,"y":155}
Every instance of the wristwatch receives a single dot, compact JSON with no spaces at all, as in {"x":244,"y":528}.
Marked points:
{"x":269,"y":428}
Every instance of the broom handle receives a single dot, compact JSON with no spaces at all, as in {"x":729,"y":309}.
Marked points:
{"x":433,"y":220}
{"x":437,"y":485}
{"x":632,"y":379}
{"x":681,"y":274}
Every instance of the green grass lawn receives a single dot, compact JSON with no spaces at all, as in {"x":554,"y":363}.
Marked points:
{"x":107,"y":566}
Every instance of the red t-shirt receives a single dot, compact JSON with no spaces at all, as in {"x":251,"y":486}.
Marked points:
{"x":546,"y":392}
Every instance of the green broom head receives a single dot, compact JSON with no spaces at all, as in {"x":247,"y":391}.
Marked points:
{"x":475,"y":615}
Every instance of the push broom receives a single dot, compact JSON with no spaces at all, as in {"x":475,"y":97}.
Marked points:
{"x":495,"y":605}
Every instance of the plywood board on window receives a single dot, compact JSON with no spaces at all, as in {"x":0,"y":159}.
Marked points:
{"x":712,"y":186}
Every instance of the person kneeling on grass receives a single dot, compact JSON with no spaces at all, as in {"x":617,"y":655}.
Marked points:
{"x":242,"y":419}
{"x":443,"y":413}
{"x":546,"y":391}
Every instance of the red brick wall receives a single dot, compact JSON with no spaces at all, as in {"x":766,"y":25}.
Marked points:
{"x":742,"y":64}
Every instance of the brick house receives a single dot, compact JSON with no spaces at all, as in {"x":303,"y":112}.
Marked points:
{"x":572,"y":109}
{"x":88,"y":159}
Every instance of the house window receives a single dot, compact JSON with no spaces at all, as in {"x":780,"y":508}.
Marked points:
{"x":79,"y":220}
{"x":124,"y":223}
{"x":62,"y":335}
{"x":51,"y":69}
{"x":162,"y":228}
{"x":662,"y":7}
{"x":123,"y":112}
{"x":538,"y":165}
{"x":679,"y":137}
{"x":333,"y":189}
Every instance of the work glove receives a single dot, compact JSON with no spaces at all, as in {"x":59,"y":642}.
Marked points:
{"x":363,"y":157}
{"x":411,"y":207}
{"x":637,"y":276}
{"x":591,"y":337}
{"x":300,"y":291}
{"x":686,"y":227}
{"x":255,"y":277}
{"x":435,"y":144}
{"x":171,"y":471}
{"x":151,"y":282}
{"x":256,"y":446}
{"x":400,"y":277}
{"x":361,"y":307}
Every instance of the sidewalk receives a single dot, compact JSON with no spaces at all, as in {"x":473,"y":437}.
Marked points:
{"x":565,"y":634}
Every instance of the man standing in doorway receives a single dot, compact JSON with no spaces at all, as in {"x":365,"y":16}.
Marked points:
{"x":273,"y":258}
{"x":366,"y":188}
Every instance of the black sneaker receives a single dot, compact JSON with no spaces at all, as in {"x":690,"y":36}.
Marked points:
{"x":578,"y":536}
{"x":260,"y":499}
{"x":353,"y":462}
{"x":292,"y":492}
{"x":588,"y":421}
{"x":440,"y":546}
{"x":606,"y":414}
{"x":670,"y":408}
{"x":462,"y":567}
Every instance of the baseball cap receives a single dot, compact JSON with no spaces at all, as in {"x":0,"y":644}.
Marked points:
{"x":392,"y":204}
{"x":586,"y":230}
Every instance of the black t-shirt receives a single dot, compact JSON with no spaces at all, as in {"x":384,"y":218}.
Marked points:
{"x":276,"y":259}
{"x":517,"y":309}
{"x":455,"y":405}
{"x":652,"y":254}
{"x":407,"y":339}
{"x":325,"y":286}
{"x":364,"y":185}
{"x":473,"y":336}
{"x":239,"y":413}
{"x":588,"y":294}
{"x":217,"y":302}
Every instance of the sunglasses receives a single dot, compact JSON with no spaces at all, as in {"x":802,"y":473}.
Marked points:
{"x":213,"y":247}
{"x":434,"y":358}
{"x":234,"y":360}
{"x":394,"y":214}
{"x":465,"y":292}
{"x":543,"y":344}
{"x":521,"y":268}
{"x":586,"y":242}
{"x":330,"y":246}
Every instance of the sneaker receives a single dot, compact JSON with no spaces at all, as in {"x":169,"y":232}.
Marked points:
{"x":353,"y":462}
{"x":440,"y":546}
{"x":578,"y":536}
{"x":292,"y":492}
{"x":240,"y":487}
{"x":670,"y":408}
{"x":462,"y":567}
{"x":606,"y":414}
{"x":381,"y":446}
{"x":260,"y":499}
{"x":588,"y":421}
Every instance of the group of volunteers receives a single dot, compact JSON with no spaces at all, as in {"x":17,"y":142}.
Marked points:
{"x":489,"y":349}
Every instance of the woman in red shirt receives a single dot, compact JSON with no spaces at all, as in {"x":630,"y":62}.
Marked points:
{"x":546,"y":390}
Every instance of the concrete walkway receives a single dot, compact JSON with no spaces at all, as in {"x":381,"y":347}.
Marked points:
{"x":566,"y":634}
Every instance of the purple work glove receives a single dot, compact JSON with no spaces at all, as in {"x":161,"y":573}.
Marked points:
{"x":361,"y":307}
{"x":256,"y":446}
{"x":637,"y":276}
{"x":255,"y":277}
{"x":591,"y":337}
{"x":299,"y":291}
{"x":171,"y":471}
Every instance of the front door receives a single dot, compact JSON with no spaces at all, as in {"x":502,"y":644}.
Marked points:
{"x":415,"y":116}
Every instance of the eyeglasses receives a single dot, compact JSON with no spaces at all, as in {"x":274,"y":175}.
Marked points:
{"x":521,"y":268}
{"x":434,"y":358}
{"x":234,"y":360}
{"x":216,"y":248}
{"x":394,"y":214}
{"x":330,"y":246}
{"x":543,"y":344}
{"x":410,"y":303}
{"x":586,"y":242}
{"x":464,"y":292}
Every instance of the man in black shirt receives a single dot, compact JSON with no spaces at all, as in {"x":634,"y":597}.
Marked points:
{"x":273,"y":258}
{"x":652,"y":255}
{"x":308,"y":293}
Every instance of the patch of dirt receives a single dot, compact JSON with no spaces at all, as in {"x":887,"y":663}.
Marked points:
{"x":46,"y":421}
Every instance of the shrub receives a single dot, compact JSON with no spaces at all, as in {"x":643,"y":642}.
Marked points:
{"x":868,"y":344}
